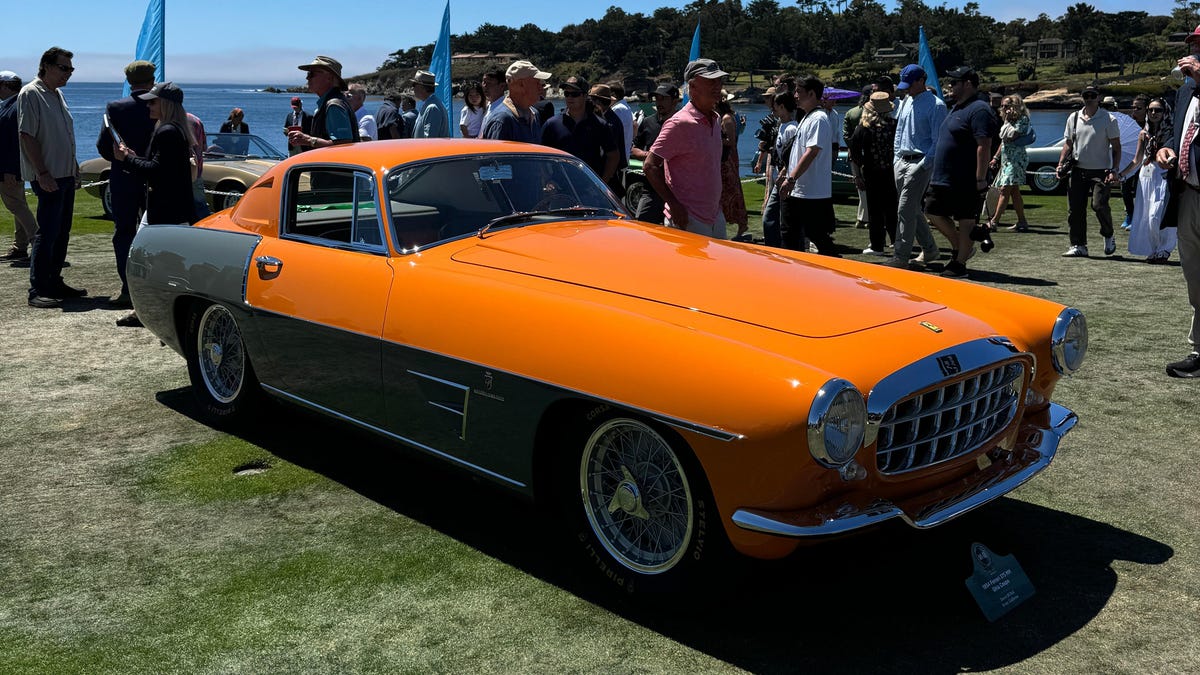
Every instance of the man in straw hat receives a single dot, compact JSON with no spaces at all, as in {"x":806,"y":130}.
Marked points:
{"x":332,"y":122}
{"x":432,"y":121}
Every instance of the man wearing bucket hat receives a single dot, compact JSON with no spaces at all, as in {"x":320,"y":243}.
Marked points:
{"x":514,"y":118}
{"x":432,"y":121}
{"x":684,"y":164}
{"x":332,"y":122}
{"x":130,"y":117}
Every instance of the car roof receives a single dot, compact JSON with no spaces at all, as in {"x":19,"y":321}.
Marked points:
{"x":386,"y":154}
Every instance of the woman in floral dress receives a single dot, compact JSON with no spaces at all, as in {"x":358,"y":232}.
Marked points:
{"x":1012,"y":161}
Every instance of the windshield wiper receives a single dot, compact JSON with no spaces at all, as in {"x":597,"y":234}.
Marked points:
{"x":521,"y":216}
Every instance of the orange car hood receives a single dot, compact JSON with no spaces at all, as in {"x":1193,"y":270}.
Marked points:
{"x":751,"y":284}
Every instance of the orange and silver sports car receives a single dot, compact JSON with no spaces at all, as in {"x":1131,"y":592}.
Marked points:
{"x":491,"y":304}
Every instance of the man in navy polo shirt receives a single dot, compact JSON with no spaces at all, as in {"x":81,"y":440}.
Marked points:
{"x":514,"y":119}
{"x":578,"y":131}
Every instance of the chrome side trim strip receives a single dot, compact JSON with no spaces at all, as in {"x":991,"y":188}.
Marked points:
{"x":466,"y":406}
{"x":850,"y":518}
{"x":384,"y":432}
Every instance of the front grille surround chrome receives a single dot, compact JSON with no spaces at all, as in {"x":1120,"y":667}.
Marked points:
{"x":946,"y":405}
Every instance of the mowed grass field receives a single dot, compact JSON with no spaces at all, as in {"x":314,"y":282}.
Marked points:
{"x":128,"y":544}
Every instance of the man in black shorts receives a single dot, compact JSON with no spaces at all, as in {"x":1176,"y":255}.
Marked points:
{"x":959,"y":181}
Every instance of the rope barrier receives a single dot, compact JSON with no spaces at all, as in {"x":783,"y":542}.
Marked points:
{"x":104,"y":182}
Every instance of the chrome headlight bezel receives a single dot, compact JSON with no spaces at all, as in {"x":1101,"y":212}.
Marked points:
{"x":840,"y":403}
{"x":1069,"y":341}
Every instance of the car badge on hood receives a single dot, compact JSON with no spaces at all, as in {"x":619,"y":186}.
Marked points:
{"x":931,"y":327}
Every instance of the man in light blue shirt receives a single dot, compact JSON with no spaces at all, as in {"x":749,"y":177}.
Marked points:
{"x":432,"y":121}
{"x":918,"y":118}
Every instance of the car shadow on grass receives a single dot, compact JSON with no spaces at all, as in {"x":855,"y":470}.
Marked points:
{"x":888,"y":600}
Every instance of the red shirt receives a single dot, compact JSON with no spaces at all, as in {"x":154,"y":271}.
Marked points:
{"x":690,"y":146}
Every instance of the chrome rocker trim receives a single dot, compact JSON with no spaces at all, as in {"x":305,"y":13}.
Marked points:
{"x":851,"y":518}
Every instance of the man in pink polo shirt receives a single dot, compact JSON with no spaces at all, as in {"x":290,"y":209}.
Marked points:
{"x":684,"y":164}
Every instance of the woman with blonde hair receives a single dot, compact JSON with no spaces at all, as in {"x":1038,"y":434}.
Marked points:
{"x":1012,"y":161}
{"x":871,"y":154}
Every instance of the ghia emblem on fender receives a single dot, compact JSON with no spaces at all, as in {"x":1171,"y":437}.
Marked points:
{"x":926,"y":324}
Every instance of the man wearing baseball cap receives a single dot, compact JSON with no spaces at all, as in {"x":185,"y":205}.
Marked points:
{"x":12,"y":188}
{"x":919,"y":116}
{"x":331,"y":123}
{"x":684,"y":164}
{"x":514,"y":119}
{"x":649,"y":207}
{"x":130,"y":117}
{"x":297,"y":118}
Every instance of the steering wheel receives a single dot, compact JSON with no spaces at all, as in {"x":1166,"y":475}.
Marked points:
{"x":557,"y":200}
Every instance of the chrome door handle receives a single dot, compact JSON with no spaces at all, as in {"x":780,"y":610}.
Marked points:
{"x":265,"y":261}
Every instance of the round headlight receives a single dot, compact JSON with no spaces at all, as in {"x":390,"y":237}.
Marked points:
{"x":1069,"y":341}
{"x":836,"y":423}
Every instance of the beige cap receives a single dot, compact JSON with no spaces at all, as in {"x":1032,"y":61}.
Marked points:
{"x":520,"y":70}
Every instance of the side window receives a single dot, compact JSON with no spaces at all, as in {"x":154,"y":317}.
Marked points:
{"x":334,"y":207}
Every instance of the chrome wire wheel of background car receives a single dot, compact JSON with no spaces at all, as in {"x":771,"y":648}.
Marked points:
{"x":222,"y":376}
{"x":220,"y":354}
{"x":636,"y":495}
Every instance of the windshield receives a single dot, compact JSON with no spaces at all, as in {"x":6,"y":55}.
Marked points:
{"x":439,"y":200}
{"x":240,"y":146}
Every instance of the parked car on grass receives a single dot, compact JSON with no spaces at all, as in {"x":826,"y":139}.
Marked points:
{"x":1040,"y":174}
{"x":231,"y":163}
{"x":491,"y":304}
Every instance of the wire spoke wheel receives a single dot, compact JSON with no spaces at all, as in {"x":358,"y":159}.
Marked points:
{"x":636,"y":496}
{"x":220,"y":354}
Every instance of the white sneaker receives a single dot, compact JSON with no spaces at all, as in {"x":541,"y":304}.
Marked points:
{"x":1076,"y":252}
{"x":928,"y":255}
{"x":812,"y":248}
{"x":870,"y":251}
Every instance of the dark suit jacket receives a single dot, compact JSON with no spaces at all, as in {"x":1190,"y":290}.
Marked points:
{"x":130,"y":116}
{"x":227,"y":128}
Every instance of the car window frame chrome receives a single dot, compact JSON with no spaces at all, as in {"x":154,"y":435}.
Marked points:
{"x":285,"y":210}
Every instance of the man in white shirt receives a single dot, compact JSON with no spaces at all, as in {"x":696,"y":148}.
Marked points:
{"x":807,"y":184}
{"x":1093,"y":142}
{"x":367,"y":129}
{"x":621,"y":109}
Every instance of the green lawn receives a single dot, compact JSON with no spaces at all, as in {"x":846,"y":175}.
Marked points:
{"x":129,"y":545}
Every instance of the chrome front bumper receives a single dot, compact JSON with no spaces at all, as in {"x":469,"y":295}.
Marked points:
{"x":921,"y":513}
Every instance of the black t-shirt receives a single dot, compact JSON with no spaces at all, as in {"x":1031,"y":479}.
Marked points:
{"x":954,"y":160}
{"x":588,"y":139}
{"x":647,"y":131}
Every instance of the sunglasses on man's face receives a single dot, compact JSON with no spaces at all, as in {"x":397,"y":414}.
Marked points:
{"x":572,"y":94}
{"x":1090,"y":94}
{"x":65,"y":68}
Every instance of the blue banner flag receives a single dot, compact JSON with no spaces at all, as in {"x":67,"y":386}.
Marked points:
{"x":925,"y":59}
{"x":152,"y":41}
{"x":440,"y":67}
{"x":692,"y":56}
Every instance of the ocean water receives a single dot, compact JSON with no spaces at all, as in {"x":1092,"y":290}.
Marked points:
{"x":265,"y":113}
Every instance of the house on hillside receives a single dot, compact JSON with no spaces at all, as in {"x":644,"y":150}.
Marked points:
{"x":902,"y":52}
{"x":1048,"y":49}
{"x":481,"y":59}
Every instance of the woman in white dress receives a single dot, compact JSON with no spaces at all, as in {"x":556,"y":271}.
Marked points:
{"x":1149,"y":235}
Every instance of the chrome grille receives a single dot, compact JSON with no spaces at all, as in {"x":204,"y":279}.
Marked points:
{"x":950,"y":421}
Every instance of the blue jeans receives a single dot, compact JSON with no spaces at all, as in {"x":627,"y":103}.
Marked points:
{"x":772,"y":234}
{"x":54,"y":213}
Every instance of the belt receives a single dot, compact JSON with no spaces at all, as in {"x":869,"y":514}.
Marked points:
{"x":913,"y":156}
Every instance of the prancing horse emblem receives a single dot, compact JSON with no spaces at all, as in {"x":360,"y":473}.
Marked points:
{"x":949,"y":365}
{"x":926,"y":324}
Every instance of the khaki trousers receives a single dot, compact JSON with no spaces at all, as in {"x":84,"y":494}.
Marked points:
{"x":12,"y":190}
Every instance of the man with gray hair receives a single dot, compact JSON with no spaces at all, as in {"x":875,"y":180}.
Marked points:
{"x":12,"y":188}
{"x":367,"y":129}
{"x":432,"y":121}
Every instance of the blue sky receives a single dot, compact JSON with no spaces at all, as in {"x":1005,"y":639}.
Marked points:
{"x":262,"y":41}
